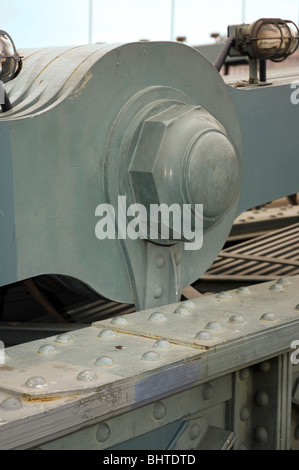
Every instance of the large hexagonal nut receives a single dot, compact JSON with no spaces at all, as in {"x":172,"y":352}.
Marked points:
{"x":183,"y":156}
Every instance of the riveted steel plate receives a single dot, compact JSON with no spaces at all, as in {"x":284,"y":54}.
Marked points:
{"x":139,"y":362}
{"x":216,"y":319}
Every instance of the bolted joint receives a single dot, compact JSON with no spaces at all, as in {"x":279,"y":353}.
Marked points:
{"x":184,"y":156}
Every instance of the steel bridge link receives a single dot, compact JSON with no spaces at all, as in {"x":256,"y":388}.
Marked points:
{"x":154,"y":359}
{"x":262,"y":405}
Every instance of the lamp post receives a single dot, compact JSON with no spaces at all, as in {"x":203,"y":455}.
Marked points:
{"x":243,"y":11}
{"x":172,"y":20}
{"x":90,"y":26}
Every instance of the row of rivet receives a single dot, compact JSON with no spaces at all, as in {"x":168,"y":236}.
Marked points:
{"x":264,"y":209}
{"x":38,"y":382}
{"x":158,"y":291}
{"x":260,"y":434}
{"x":184,"y":310}
{"x":159,"y":411}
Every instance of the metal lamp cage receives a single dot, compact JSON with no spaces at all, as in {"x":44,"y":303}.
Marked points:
{"x":16,"y":58}
{"x":283,"y":26}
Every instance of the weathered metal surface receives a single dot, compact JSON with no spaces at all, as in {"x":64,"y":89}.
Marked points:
{"x":75,"y":113}
{"x":215,"y":319}
{"x":267,"y":257}
{"x":149,"y":418}
{"x":128,"y":365}
{"x":268,"y":120}
{"x":259,"y":221}
{"x":57,"y":143}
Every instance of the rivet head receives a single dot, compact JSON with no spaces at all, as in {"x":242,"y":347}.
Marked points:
{"x":261,"y":398}
{"x":264,"y":366}
{"x":207,"y":391}
{"x":244,"y":374}
{"x":194,"y":431}
{"x":160,"y":261}
{"x":87,"y":376}
{"x":103,"y":432}
{"x":107,"y":334}
{"x":244,"y":413}
{"x":260,"y":434}
{"x":150,"y":356}
{"x":158,"y":292}
{"x":243,"y":290}
{"x":64,"y":338}
{"x":223,"y":295}
{"x":297,"y":307}
{"x":157,"y":316}
{"x":104,"y":361}
{"x":268,"y":317}
{"x":236,"y":319}
{"x":276,"y":288}
{"x":162,"y":344}
{"x":119,"y":321}
{"x":188,"y":304}
{"x":213,"y":326}
{"x":283,"y":281}
{"x":183,"y":311}
{"x":203,"y":336}
{"x":36,"y":382}
{"x":11,"y":404}
{"x":47,"y":350}
{"x":159,"y":410}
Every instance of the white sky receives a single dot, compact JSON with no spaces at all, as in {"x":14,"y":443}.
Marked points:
{"x":39,"y":23}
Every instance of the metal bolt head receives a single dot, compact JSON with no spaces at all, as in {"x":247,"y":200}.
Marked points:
{"x":87,"y":376}
{"x":103,"y":432}
{"x":106,"y":334}
{"x":104,"y":361}
{"x":157,"y":316}
{"x":244,"y":374}
{"x":183,"y":156}
{"x":283,"y":281}
{"x":150,"y":356}
{"x":162,"y":344}
{"x":47,"y":350}
{"x":159,"y":411}
{"x":243,"y":290}
{"x":64,"y":338}
{"x":268,"y":317}
{"x":36,"y":382}
{"x":188,"y":304}
{"x":119,"y":321}
{"x":207,"y":391}
{"x":203,"y":336}
{"x":260,"y":434}
{"x":276,"y":288}
{"x":11,"y":404}
{"x":236,"y":319}
{"x":182,"y":311}
{"x":213,"y":326}
{"x":194,"y":431}
{"x":244,"y":413}
{"x":264,"y":366}
{"x":262,"y":398}
{"x":223,"y":295}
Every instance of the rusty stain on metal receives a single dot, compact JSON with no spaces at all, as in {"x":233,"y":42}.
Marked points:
{"x":77,"y":91}
{"x":29,"y":398}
